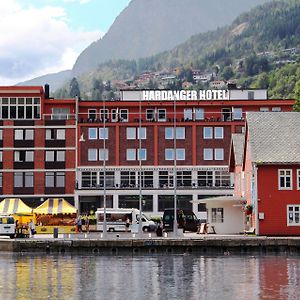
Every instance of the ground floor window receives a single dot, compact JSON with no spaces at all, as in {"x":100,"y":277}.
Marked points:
{"x":167,"y":201}
{"x":217,"y":215}
{"x":132,"y":201}
{"x":293,"y":215}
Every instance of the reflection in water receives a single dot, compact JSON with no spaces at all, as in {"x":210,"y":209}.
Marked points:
{"x":148,"y":277}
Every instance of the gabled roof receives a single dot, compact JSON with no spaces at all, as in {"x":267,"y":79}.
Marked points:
{"x":238,"y":141}
{"x":274,"y":137}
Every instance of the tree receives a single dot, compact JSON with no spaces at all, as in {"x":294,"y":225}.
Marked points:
{"x":74,"y":88}
{"x":227,"y":73}
{"x":297,"y":93}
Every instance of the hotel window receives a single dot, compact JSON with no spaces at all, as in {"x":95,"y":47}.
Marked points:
{"x":162,"y":115}
{"x":184,"y":178}
{"x":23,"y":179}
{"x":55,"y":179}
{"x":205,"y":178}
{"x":237,"y":113}
{"x":199,"y":114}
{"x":285,"y":179}
{"x":293,"y":217}
{"x":109,"y":179}
{"x":250,"y":95}
{"x":276,"y":109}
{"x":149,"y":114}
{"x":208,"y":154}
{"x":1,"y":134}
{"x":92,"y":114}
{"x":103,"y":154}
{"x":217,"y":215}
{"x":55,"y":156}
{"x":142,"y":154}
{"x":128,"y":179}
{"x":124,"y":115}
{"x":169,"y":154}
{"x":92,"y":155}
{"x":180,"y":133}
{"x":188,"y":114}
{"x":219,"y":154}
{"x":147,"y":178}
{"x":222,"y":179}
{"x":103,"y":133}
{"x":130,"y":154}
{"x":60,"y":113}
{"x":298,"y":179}
{"x":142,"y":133}
{"x":166,"y":179}
{"x":104,"y":114}
{"x":93,"y":133}
{"x":55,"y":134}
{"x":24,"y":156}
{"x":264,"y":109}
{"x":1,"y":156}
{"x":114,"y":115}
{"x":131,"y":133}
{"x":219,"y":133}
{"x":207,"y":133}
{"x":88,"y":179}
{"x":24,"y":134}
{"x":1,"y":180}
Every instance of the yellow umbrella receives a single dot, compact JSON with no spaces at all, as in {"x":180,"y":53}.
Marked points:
{"x":14,"y":206}
{"x":54,"y":206}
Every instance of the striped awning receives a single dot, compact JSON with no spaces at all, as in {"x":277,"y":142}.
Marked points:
{"x":54,"y":206}
{"x":14,"y":206}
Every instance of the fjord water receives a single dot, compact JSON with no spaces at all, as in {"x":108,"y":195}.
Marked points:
{"x":149,"y":277}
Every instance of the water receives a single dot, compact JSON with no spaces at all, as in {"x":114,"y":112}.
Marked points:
{"x":148,"y":277}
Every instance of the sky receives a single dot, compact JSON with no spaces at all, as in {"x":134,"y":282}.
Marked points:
{"x":39,"y":37}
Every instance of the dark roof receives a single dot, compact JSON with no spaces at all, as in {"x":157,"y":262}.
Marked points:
{"x":274,"y":137}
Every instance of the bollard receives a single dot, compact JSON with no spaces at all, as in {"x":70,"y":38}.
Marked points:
{"x":149,"y":235}
{"x":69,"y":236}
{"x":165,"y":234}
{"x":85,"y":235}
{"x":101,"y":235}
{"x":133,"y":235}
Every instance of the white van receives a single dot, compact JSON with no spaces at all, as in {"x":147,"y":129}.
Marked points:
{"x":116,"y":219}
{"x":7,"y":226}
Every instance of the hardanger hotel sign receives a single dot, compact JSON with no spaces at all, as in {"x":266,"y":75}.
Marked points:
{"x":184,"y":95}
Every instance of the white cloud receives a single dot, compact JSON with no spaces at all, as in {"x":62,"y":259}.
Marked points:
{"x":35,"y":41}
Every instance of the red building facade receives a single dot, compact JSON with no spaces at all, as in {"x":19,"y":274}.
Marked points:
{"x":59,"y":149}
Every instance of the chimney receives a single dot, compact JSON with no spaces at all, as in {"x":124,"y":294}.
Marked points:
{"x":47,"y":91}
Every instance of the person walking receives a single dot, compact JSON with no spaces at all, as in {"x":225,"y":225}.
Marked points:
{"x":32,"y":231}
{"x":87,"y":224}
{"x":79,"y":224}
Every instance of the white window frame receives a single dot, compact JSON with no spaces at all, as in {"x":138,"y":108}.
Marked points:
{"x":180,"y":154}
{"x":219,"y":151}
{"x":131,"y":133}
{"x":208,"y":154}
{"x":219,"y":135}
{"x":169,"y":154}
{"x":143,"y":153}
{"x":114,"y":115}
{"x":92,"y":111}
{"x":29,"y":134}
{"x":1,"y":134}
{"x":207,"y":133}
{"x":142,"y":133}
{"x":50,"y":156}
{"x":61,"y":156}
{"x":18,"y":134}
{"x":276,"y":109}
{"x":103,"y":133}
{"x":1,"y":156}
{"x":188,"y":114}
{"x":199,"y":114}
{"x":92,"y":154}
{"x":285,"y":176}
{"x":264,"y":109}
{"x":180,"y":133}
{"x":296,"y":210}
{"x":130,"y":154}
{"x":152,"y":111}
{"x":169,"y":133}
{"x":237,"y":113}
{"x":60,"y":134}
{"x":124,"y":111}
{"x":103,"y":153}
{"x":93,"y":133}
{"x":164,"y":111}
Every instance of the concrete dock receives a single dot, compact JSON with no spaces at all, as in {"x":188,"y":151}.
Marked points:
{"x":115,"y":244}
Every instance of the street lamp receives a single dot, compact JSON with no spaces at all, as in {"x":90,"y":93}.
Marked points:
{"x":140,"y":170}
{"x":104,"y":172}
{"x":175,"y":174}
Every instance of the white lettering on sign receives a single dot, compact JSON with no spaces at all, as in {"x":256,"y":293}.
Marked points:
{"x":185,"y":95}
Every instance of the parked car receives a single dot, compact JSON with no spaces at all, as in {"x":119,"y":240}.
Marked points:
{"x":186,"y":220}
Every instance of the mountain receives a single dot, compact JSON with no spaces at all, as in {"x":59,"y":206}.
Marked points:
{"x":260,"y":49}
{"x":55,"y":80}
{"x":147,"y":27}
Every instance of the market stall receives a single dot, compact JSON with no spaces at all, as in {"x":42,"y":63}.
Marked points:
{"x":55,"y":212}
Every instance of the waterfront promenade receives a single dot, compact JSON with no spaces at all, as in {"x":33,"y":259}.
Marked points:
{"x":127,"y":243}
